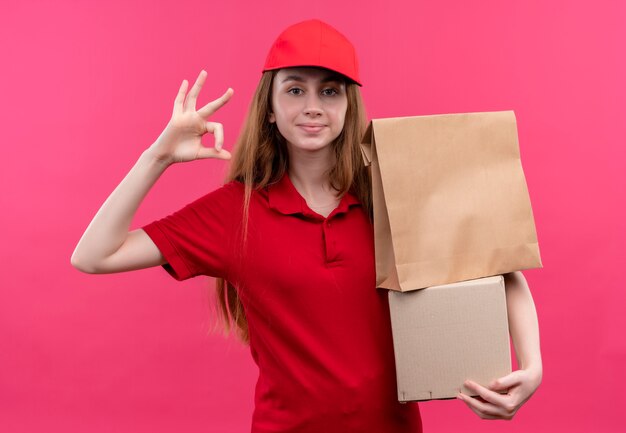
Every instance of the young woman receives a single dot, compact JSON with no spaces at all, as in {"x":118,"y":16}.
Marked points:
{"x":290,"y":241}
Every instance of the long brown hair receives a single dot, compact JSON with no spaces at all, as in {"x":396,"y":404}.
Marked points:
{"x":260,"y":158}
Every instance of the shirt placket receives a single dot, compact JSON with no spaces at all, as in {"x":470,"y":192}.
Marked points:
{"x":330,"y":241}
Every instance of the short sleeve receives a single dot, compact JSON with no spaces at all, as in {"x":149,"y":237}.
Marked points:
{"x":198,"y":239}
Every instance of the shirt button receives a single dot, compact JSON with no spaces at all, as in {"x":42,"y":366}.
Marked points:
{"x":328,"y":224}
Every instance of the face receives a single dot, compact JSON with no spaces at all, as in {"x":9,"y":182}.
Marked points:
{"x":309,"y":106}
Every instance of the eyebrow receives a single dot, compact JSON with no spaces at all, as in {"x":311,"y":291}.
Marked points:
{"x":327,"y":79}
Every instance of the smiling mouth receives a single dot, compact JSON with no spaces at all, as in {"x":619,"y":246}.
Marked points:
{"x":316,"y":128}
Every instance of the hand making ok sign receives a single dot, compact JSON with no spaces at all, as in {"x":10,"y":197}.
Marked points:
{"x":181,"y":140}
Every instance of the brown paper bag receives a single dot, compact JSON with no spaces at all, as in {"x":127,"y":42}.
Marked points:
{"x":450,"y":199}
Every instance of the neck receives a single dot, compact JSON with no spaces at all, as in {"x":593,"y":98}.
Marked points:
{"x":307,"y":171}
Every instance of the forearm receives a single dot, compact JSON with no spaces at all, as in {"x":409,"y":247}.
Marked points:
{"x":523,"y":323}
{"x":503,"y":397}
{"x":110,"y":226}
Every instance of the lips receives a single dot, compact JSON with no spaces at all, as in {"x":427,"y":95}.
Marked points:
{"x":312,"y":127}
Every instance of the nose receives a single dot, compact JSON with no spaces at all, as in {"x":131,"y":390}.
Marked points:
{"x":313,"y":106}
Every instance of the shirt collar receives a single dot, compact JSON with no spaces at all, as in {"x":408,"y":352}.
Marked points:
{"x":285,"y":198}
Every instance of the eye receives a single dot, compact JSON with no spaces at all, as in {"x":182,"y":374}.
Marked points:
{"x":330,"y":92}
{"x":296,"y":89}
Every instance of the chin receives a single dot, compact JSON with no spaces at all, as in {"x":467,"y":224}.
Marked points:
{"x":310,"y":145}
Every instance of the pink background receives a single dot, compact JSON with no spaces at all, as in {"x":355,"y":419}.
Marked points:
{"x":86,"y":86}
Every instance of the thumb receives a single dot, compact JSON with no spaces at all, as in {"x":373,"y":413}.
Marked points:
{"x":210,"y":152}
{"x":506,"y":382}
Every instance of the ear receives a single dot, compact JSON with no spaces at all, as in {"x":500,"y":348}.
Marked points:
{"x":272,"y":118}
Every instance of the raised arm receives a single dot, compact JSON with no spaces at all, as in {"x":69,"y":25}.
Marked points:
{"x":521,"y":384}
{"x":107,"y":246}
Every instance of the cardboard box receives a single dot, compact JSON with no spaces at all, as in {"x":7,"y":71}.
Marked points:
{"x":443,"y":335}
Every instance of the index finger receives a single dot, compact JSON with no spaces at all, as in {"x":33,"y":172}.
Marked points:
{"x":215,"y":105}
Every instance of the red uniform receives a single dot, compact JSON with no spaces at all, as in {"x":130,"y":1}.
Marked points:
{"x":320,"y":331}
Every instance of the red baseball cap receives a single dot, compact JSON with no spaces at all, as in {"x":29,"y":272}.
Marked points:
{"x":314,"y":43}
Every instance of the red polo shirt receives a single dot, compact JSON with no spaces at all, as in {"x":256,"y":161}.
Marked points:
{"x":319,"y":329}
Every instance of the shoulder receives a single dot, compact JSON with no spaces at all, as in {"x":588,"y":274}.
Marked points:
{"x":230,"y":193}
{"x":230,"y":197}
